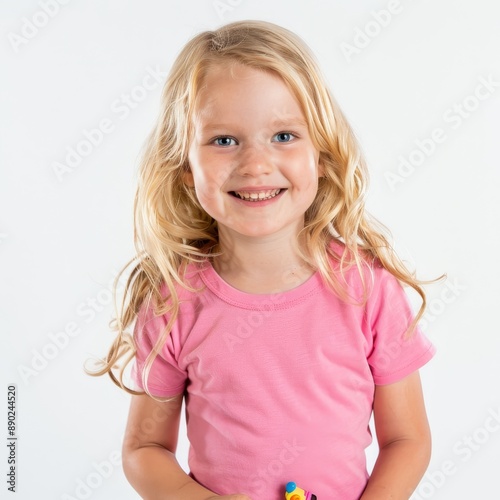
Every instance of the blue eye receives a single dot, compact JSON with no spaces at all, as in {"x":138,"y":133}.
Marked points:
{"x":284,"y":137}
{"x":224,"y":141}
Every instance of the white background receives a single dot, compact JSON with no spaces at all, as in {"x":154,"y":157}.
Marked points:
{"x":63,"y":238}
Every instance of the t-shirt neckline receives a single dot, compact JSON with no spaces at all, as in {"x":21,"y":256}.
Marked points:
{"x":246,"y":300}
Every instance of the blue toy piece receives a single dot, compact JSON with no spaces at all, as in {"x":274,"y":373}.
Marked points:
{"x":293,"y":492}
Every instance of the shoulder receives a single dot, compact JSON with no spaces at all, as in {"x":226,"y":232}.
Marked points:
{"x":362,"y":274}
{"x":184,"y":292}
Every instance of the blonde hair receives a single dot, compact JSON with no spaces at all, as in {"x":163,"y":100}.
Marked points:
{"x":171,"y":229}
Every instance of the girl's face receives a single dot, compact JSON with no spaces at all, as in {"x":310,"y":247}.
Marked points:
{"x":252,"y":162}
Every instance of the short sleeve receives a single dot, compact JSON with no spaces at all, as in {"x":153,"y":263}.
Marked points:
{"x":393,"y":355}
{"x":165,"y":378}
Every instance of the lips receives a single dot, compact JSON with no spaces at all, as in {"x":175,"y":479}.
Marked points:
{"x":265,"y":194}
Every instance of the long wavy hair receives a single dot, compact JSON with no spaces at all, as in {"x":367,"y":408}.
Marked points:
{"x":171,"y":229}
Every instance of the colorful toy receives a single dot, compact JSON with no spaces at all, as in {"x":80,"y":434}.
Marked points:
{"x":293,"y":492}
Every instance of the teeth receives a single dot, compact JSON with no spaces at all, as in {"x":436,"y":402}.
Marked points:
{"x":258,"y":195}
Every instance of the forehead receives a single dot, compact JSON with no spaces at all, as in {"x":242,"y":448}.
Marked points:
{"x":233,"y":89}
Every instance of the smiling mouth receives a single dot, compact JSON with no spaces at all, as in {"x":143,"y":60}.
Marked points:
{"x":256,"y":195}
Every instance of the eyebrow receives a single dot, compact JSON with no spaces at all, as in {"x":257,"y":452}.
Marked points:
{"x":279,"y":123}
{"x":293,"y":120}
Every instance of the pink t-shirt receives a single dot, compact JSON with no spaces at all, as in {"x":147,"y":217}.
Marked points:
{"x":279,"y":387}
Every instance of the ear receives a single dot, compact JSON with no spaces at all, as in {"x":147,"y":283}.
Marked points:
{"x":188,"y":179}
{"x":321,"y":169}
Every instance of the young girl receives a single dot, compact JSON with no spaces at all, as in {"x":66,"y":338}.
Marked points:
{"x":263,"y":294}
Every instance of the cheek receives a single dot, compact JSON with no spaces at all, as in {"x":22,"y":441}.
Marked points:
{"x":305,"y":170}
{"x":208,"y":187}
{"x":210,"y":176}
{"x":207,"y":195}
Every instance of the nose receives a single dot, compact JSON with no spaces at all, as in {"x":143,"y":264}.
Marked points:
{"x":254,"y":161}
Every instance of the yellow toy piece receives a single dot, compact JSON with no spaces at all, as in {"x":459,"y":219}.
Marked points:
{"x":293,"y":492}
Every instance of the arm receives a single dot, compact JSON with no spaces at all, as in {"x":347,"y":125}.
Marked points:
{"x":404,"y":440}
{"x":149,"y":453}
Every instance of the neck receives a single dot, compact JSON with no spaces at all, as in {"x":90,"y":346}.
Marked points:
{"x":261,"y":265}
